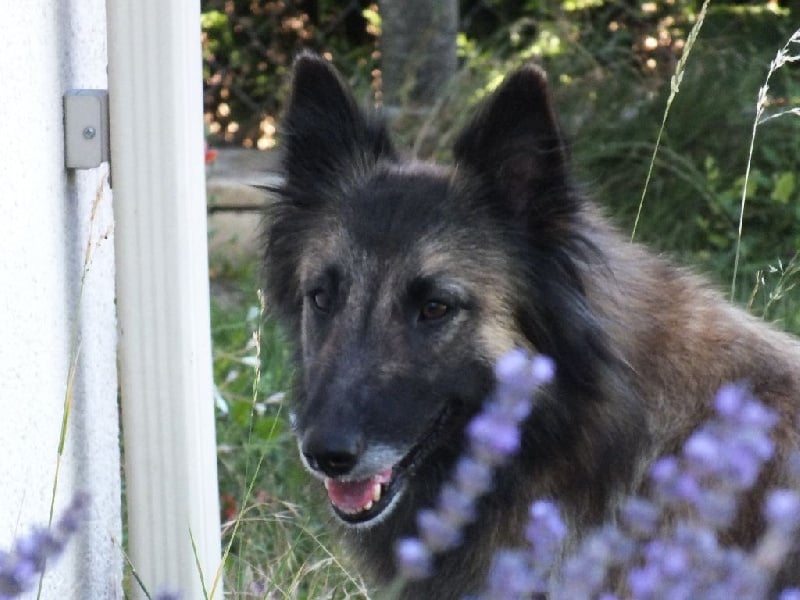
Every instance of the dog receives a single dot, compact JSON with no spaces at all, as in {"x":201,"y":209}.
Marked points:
{"x":399,"y":284}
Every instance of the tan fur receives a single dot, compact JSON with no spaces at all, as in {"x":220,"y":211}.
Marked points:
{"x":682,"y":339}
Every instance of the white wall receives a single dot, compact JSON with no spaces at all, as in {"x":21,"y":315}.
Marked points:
{"x":46,"y":222}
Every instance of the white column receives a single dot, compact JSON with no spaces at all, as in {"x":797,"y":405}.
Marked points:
{"x":155,"y":95}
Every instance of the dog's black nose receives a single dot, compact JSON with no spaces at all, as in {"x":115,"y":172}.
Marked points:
{"x":333,"y":464}
{"x":333,"y":455}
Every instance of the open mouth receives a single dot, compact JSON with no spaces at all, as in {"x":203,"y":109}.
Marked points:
{"x":361,"y":501}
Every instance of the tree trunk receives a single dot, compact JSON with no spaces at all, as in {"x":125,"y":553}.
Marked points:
{"x":418,"y":51}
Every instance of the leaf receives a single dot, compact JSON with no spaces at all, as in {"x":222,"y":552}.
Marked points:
{"x":785,"y":185}
{"x":269,"y":428}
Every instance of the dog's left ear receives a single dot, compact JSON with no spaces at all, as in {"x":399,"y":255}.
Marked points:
{"x":324,"y":130}
{"x":515,"y":143}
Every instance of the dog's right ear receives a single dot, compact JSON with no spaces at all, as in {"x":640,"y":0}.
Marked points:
{"x":324,"y":131}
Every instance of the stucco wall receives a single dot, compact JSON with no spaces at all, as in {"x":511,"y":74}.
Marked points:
{"x":49,"y":218}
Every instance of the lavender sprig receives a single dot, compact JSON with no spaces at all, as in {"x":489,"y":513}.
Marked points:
{"x":520,"y":574}
{"x":493,"y":436}
{"x":669,"y":557}
{"x":21,"y":566}
{"x":665,"y":546}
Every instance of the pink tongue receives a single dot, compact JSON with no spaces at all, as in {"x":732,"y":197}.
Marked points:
{"x":352,"y":496}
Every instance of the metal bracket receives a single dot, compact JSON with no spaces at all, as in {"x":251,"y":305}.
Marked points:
{"x":86,"y":139}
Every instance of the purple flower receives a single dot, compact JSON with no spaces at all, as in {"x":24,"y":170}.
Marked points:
{"x":719,"y":461}
{"x":543,"y":369}
{"x":511,"y":367}
{"x":644,"y":582}
{"x":493,"y":436}
{"x":473,"y":478}
{"x":757,"y":415}
{"x":728,"y":400}
{"x":438,"y":532}
{"x":664,"y":470}
{"x":414,"y":559}
{"x":702,"y":450}
{"x":716,"y":507}
{"x":545,"y":532}
{"x":782,"y":508}
{"x":36,"y":547}
{"x":673,"y":550}
{"x":512,"y":577}
{"x":521,"y":573}
{"x":581,"y":577}
{"x":21,"y":567}
{"x":640,"y":516}
{"x":743,"y":465}
{"x":782,"y":512}
{"x":457,"y":505}
{"x":665,"y":546}
{"x":494,"y":433}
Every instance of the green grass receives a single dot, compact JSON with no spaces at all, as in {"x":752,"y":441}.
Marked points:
{"x":279,"y":545}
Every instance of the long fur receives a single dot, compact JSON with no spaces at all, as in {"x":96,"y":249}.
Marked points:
{"x":360,"y":239}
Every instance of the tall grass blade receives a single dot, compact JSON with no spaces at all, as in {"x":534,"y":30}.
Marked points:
{"x":781,"y":58}
{"x":74,"y":355}
{"x":674,"y":85}
{"x":199,"y":566}
{"x":133,"y":571}
{"x":252,"y":478}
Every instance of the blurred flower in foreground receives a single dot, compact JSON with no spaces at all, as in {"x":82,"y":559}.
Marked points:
{"x":24,"y":564}
{"x":21,"y":567}
{"x":493,"y":436}
{"x":670,"y":544}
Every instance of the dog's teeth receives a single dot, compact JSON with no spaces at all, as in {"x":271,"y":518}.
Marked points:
{"x":376,"y":492}
{"x":367,"y":506}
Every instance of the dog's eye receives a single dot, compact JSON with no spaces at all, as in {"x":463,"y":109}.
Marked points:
{"x":321,"y":300}
{"x":433,"y":310}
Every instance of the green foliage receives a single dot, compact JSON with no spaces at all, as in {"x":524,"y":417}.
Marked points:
{"x":772,"y":294}
{"x":248,"y":47}
{"x":694,"y":201}
{"x":278,"y":541}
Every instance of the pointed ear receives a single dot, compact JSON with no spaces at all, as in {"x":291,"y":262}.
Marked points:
{"x":515,"y":143}
{"x":324,"y":132}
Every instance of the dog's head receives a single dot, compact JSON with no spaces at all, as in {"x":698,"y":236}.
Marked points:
{"x":400,"y":283}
